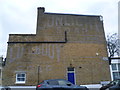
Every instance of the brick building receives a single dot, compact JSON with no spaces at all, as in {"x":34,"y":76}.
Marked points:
{"x":1,"y":65}
{"x":65,"y":46}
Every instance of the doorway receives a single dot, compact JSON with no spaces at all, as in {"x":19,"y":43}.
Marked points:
{"x":71,"y":74}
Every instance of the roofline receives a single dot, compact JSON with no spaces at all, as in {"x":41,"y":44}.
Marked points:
{"x":72,"y":14}
{"x":22,"y":34}
{"x":22,"y":42}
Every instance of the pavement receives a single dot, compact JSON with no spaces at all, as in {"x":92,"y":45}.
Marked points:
{"x":93,"y":86}
{"x":20,"y":88}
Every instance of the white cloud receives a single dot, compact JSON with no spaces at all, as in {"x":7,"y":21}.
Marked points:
{"x":106,"y":8}
{"x":1,"y":32}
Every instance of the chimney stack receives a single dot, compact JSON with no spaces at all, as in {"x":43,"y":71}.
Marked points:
{"x":41,"y":10}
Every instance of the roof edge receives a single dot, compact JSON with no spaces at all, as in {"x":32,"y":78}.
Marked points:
{"x":72,"y":14}
{"x":22,"y":34}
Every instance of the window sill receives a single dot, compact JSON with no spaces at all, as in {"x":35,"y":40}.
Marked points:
{"x":19,"y":82}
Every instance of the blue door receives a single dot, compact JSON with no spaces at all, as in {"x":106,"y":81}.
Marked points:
{"x":71,"y":77}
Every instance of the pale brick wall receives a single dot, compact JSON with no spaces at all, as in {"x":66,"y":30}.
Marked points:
{"x":85,"y":38}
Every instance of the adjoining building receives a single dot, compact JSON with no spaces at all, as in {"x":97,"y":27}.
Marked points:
{"x":115,"y":61}
{"x":1,"y":67}
{"x":115,"y":68}
{"x":65,"y":46}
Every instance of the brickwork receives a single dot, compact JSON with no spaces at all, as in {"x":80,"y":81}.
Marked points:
{"x":83,"y":46}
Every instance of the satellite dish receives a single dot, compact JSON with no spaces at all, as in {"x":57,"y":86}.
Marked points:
{"x":105,"y":58}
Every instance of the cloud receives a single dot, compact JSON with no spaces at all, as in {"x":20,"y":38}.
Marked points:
{"x":16,"y":17}
{"x":110,"y":15}
{"x":106,"y":8}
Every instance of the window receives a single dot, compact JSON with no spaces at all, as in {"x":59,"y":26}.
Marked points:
{"x":20,"y":78}
{"x":116,"y":74}
{"x":0,"y":73}
{"x":119,"y":66}
{"x":115,"y":70}
{"x":114,"y":67}
{"x":71,"y":69}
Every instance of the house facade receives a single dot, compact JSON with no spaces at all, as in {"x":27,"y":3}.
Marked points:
{"x":65,"y":46}
{"x":1,"y":67}
{"x":115,"y":61}
{"x":115,"y":68}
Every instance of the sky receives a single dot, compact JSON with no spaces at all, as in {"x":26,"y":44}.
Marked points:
{"x":20,"y":16}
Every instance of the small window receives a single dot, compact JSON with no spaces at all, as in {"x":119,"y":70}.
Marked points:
{"x":70,"y":68}
{"x":114,"y":67}
{"x":116,"y":75}
{"x":20,"y":78}
{"x":115,"y":70}
{"x":119,"y":66}
{"x":0,"y":73}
